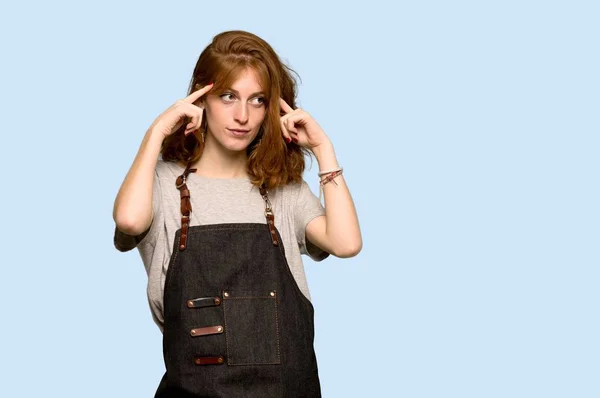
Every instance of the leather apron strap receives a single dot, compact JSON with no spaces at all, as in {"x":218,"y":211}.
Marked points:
{"x":269,"y":215}
{"x":186,"y":204}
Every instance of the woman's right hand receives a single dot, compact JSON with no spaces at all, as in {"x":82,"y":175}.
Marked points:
{"x":171,"y":119}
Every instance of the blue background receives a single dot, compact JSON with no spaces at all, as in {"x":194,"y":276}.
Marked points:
{"x":469,"y":136}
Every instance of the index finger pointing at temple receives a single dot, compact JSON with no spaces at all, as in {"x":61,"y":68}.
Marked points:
{"x":193,"y":97}
{"x":286,"y":108}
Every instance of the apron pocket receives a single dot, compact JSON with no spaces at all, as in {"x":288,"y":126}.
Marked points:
{"x":251,"y":329}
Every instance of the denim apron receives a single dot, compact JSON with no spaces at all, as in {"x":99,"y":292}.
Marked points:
{"x":235,"y":322}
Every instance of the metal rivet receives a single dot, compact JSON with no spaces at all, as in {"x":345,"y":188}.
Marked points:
{"x":193,"y":332}
{"x":226,"y":294}
{"x":190,"y":303}
{"x":217,"y":300}
{"x":197,"y":361}
{"x":220,"y":329}
{"x":220,"y":360}
{"x":272,"y":294}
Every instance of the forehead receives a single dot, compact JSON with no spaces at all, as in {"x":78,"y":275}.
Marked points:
{"x":247,"y":81}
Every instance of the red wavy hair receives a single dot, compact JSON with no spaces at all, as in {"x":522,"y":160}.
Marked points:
{"x":270,"y":160}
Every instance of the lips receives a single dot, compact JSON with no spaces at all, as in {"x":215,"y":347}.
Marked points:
{"x":239,"y":131}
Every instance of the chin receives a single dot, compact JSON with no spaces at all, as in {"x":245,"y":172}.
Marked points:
{"x":237,"y":148}
{"x":237,"y":144}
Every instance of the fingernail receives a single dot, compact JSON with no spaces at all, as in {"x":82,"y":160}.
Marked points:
{"x":288,"y":139}
{"x":211,"y":83}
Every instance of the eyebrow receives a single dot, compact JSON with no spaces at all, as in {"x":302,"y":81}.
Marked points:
{"x":238,"y":93}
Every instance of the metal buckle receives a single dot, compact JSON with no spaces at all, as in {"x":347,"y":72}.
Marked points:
{"x":184,"y":179}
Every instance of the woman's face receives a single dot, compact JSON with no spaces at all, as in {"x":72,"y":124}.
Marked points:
{"x":235,"y":116}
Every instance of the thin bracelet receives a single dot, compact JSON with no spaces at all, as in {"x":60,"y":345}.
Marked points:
{"x":322,"y":173}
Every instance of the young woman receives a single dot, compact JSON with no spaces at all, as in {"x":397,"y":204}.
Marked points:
{"x":221,"y":221}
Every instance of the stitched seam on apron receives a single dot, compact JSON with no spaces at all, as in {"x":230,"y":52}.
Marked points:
{"x":226,"y":333}
{"x":213,"y":227}
{"x":277,"y":330}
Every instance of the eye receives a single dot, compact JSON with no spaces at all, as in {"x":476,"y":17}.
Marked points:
{"x":258,"y":100}
{"x":227,"y":97}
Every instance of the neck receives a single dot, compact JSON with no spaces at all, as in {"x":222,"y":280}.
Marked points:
{"x":218,"y":162}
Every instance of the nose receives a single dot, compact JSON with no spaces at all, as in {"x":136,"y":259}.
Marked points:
{"x":241,"y":113}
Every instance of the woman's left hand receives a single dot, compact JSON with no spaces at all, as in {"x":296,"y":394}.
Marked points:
{"x":298,"y":126}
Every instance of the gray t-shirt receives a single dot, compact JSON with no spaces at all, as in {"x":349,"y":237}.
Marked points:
{"x":218,"y":201}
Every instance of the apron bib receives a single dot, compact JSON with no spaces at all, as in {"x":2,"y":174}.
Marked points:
{"x":235,"y":321}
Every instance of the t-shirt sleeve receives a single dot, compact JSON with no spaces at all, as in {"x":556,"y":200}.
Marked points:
{"x":124,"y":242}
{"x":306,"y":209}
